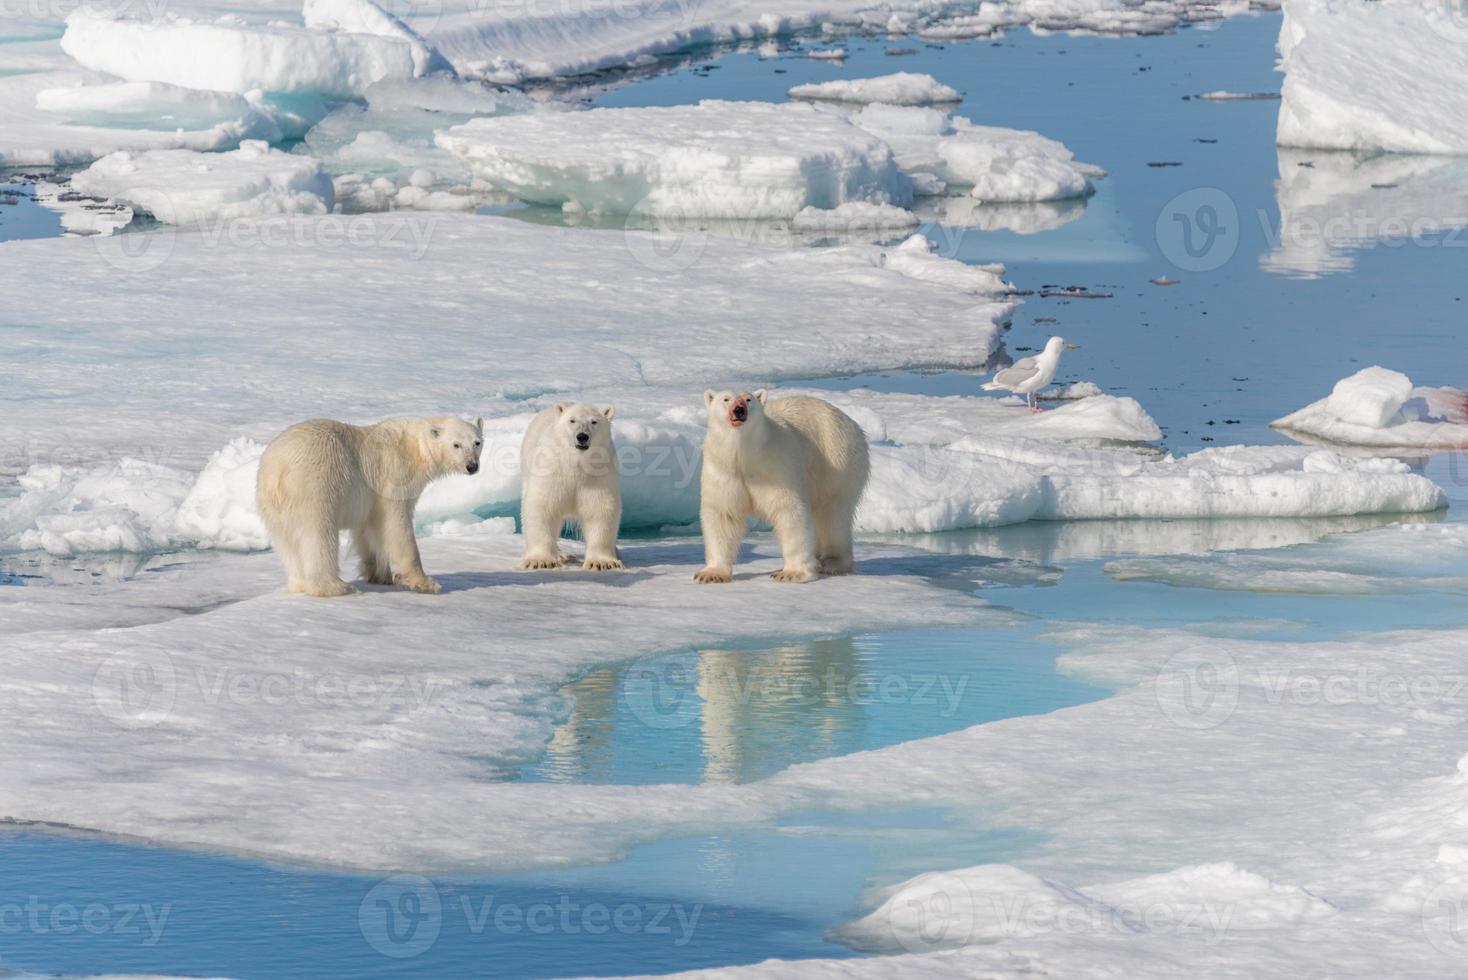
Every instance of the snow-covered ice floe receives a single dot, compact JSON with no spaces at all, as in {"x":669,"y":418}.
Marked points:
{"x":342,"y":47}
{"x":902,"y":88}
{"x":714,"y":159}
{"x":1332,"y":204}
{"x":183,"y":187}
{"x":1381,"y":408}
{"x":1363,"y":75}
{"x":476,"y":341}
{"x":742,"y":160}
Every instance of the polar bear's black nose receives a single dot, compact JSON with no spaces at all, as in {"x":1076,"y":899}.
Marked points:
{"x":472,"y":468}
{"x":582,"y":438}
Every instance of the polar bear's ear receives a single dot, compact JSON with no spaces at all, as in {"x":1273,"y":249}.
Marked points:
{"x":479,"y":425}
{"x":560,"y":408}
{"x":606,"y":410}
{"x":433,"y":432}
{"x":760,"y":394}
{"x":708,"y":395}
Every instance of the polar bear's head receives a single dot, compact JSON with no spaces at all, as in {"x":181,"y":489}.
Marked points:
{"x":453,"y":445}
{"x":583,"y":427}
{"x":731,"y":410}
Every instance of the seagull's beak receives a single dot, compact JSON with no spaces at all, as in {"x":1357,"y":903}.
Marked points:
{"x":1072,"y":346}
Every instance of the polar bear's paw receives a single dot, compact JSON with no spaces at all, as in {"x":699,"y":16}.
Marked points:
{"x":421,"y":583}
{"x":323,"y":588}
{"x":788,"y":574}
{"x":837,"y":566}
{"x":531,"y":563}
{"x":601,"y":564}
{"x":711,"y":574}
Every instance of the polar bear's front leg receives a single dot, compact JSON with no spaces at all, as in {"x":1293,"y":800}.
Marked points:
{"x":600,"y":513}
{"x":540,"y":524}
{"x":796,"y":530}
{"x":723,"y":529}
{"x":401,"y":547}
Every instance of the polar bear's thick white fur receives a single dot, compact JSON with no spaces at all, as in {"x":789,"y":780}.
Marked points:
{"x":568,"y":471}
{"x":321,"y":477}
{"x":799,"y":463}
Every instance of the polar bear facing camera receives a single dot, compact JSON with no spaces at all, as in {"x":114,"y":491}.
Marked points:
{"x":799,"y":463}
{"x":321,"y":477}
{"x":568,"y":471}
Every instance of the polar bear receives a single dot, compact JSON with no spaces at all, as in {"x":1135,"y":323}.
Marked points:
{"x":799,"y":463}
{"x":320,"y":477}
{"x":568,"y":471}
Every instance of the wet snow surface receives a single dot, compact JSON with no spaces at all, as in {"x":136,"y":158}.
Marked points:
{"x":1136,"y":683}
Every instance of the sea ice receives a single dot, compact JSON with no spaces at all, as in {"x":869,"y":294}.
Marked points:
{"x":737,"y":160}
{"x":1381,"y":408}
{"x":993,"y":164}
{"x":902,"y":89}
{"x":1374,"y":76}
{"x":183,"y":187}
{"x":80,"y":120}
{"x":228,"y":56}
{"x":407,"y":313}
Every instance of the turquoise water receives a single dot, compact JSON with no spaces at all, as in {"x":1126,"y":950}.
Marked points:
{"x":1213,"y":359}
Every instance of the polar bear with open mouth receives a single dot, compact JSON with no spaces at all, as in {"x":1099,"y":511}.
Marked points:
{"x":799,"y":463}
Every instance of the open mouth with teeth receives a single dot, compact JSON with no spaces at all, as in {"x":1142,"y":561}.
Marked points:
{"x":739,"y":413}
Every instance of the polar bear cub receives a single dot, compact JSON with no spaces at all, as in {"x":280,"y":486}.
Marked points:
{"x":321,"y":477}
{"x":799,"y":463}
{"x":568,"y":471}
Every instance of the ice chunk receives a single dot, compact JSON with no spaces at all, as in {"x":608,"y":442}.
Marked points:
{"x":80,"y":120}
{"x":714,"y":159}
{"x":219,"y":511}
{"x":1374,"y":76}
{"x":182,"y":187}
{"x":903,"y":89}
{"x":995,"y":164}
{"x":231,"y":57}
{"x":1382,"y":408}
{"x":917,"y":258}
{"x":827,"y":54}
{"x":129,"y":505}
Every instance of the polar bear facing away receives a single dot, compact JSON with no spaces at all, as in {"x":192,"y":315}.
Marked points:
{"x":799,"y":463}
{"x":321,"y":477}
{"x":568,"y":471}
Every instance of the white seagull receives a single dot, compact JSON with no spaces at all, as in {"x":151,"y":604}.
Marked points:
{"x":1028,"y":375}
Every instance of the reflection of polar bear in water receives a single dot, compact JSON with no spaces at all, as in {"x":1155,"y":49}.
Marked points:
{"x":320,"y":477}
{"x":568,"y":471}
{"x":799,"y":463}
